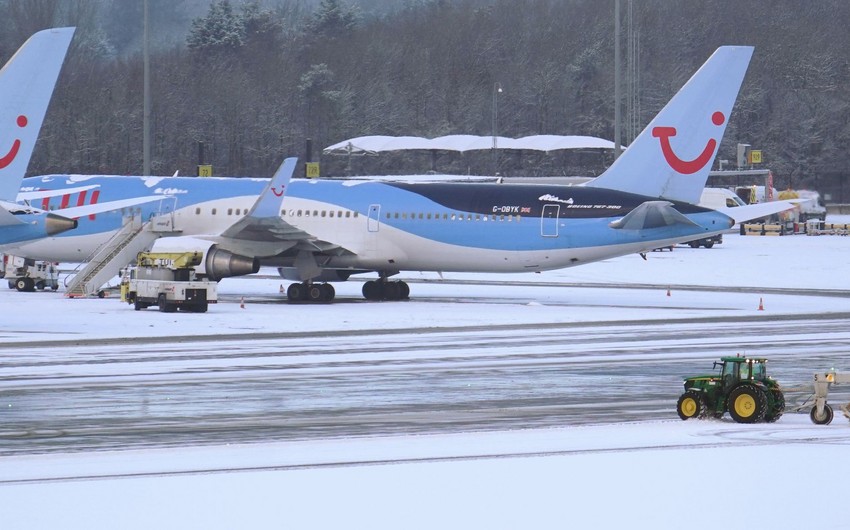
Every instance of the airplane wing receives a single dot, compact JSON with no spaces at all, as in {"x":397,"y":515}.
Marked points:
{"x":264,"y":228}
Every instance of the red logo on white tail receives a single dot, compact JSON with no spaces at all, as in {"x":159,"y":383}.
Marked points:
{"x":13,"y":152}
{"x":687,"y":167}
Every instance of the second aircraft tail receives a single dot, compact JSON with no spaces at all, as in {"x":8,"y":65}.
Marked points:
{"x":673,"y":155}
{"x":26,"y":84}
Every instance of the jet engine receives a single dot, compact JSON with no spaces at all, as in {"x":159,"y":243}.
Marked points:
{"x":217,"y":262}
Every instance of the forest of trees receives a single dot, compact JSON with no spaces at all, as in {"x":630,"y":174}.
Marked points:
{"x":254,"y":80}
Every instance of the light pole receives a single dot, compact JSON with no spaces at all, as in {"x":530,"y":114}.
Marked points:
{"x":616,"y":79}
{"x":497,"y":89}
{"x":146,"y":112}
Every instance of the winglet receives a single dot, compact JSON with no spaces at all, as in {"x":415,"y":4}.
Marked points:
{"x":269,"y":202}
{"x":673,"y":155}
{"x":26,"y":84}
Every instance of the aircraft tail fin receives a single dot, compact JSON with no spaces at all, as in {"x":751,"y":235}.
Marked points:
{"x":26,"y":84}
{"x":671,"y":158}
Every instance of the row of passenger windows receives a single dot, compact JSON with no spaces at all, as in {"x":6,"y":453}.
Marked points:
{"x":230,"y":211}
{"x":445,"y":216}
{"x":319,"y":213}
{"x":453,"y":216}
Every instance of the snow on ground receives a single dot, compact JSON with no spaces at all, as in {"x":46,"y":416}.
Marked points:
{"x":787,"y":475}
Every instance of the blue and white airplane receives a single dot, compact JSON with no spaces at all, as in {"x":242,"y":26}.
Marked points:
{"x":26,"y":85}
{"x":327,"y":230}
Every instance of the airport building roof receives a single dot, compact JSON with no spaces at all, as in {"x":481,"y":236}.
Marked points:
{"x":465,"y":142}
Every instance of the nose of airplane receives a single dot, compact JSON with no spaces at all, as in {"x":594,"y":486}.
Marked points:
{"x":56,"y":224}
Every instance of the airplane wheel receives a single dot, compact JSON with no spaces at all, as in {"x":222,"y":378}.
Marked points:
{"x":373,"y":290}
{"x":392,"y":291}
{"x":404,"y":290}
{"x":296,"y":292}
{"x":315,"y":293}
{"x":328,"y":292}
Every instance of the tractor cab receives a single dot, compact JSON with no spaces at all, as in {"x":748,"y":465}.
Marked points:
{"x":734,"y":370}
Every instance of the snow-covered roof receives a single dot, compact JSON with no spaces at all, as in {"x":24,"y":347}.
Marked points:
{"x":465,"y":142}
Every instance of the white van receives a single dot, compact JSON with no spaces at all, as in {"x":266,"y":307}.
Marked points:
{"x":716,"y":198}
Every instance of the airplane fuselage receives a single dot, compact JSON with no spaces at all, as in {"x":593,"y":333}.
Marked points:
{"x":385,"y":226}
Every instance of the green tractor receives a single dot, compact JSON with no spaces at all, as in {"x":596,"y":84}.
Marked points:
{"x":741,"y":387}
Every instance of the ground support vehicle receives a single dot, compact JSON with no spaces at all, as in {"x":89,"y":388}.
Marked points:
{"x":706,"y":242}
{"x":28,"y":275}
{"x":168,"y":280}
{"x":741,"y":387}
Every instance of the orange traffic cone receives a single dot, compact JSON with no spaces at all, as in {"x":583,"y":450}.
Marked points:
{"x":761,"y":304}
{"x":242,"y":303}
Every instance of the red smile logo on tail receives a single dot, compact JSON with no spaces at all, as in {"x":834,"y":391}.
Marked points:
{"x":687,"y":167}
{"x":13,"y":152}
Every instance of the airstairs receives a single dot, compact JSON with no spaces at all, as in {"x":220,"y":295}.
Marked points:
{"x":108,"y":260}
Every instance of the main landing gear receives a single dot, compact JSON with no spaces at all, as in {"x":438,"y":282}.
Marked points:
{"x":310,"y":292}
{"x":386,"y":290}
{"x":375,"y":290}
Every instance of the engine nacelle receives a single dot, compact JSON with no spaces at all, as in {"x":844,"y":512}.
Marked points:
{"x":327,"y":275}
{"x":217,"y":262}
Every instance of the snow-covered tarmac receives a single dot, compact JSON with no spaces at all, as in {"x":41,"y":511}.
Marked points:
{"x":662,"y":474}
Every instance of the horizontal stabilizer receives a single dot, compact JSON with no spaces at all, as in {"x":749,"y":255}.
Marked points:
{"x":652,"y":214}
{"x":742,"y":214}
{"x":7,"y":218}
{"x":46,"y":194}
{"x":90,"y":209}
